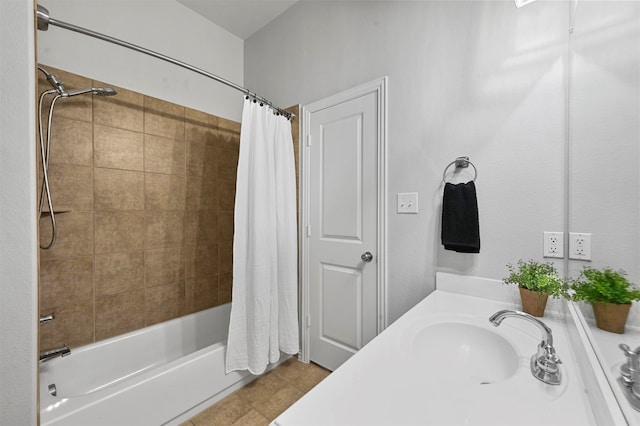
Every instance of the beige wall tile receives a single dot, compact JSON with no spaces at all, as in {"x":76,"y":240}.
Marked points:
{"x":71,"y":141}
{"x":201,"y":260}
{"x":229,"y":131}
{"x":225,"y":287}
{"x":225,"y":257}
{"x":201,"y":293}
{"x":124,"y":111}
{"x":202,"y":194}
{"x":66,"y":281}
{"x":163,"y":266}
{"x":201,"y":149}
{"x":225,"y":226}
{"x":118,"y":272}
{"x":199,"y":118}
{"x":74,"y":236}
{"x":95,"y":274}
{"x":118,"y":231}
{"x":78,"y":107}
{"x":164,"y":155}
{"x":163,"y":118}
{"x":164,"y":302}
{"x":226,"y":195}
{"x":164,"y":229}
{"x":227,"y":163}
{"x":119,"y":313}
{"x":117,"y":148}
{"x":118,"y":189}
{"x":201,"y":227}
{"x":71,"y":187}
{"x":73,"y":325}
{"x":164,"y":192}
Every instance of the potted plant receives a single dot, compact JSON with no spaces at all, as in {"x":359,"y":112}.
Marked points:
{"x":609,"y":293}
{"x":536,"y":282}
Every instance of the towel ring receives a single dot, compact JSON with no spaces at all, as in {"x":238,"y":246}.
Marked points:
{"x":460,"y":162}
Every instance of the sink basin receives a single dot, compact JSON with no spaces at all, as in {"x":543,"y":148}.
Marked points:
{"x":464,"y":353}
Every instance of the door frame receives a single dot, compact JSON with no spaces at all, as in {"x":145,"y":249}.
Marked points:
{"x":379,"y":87}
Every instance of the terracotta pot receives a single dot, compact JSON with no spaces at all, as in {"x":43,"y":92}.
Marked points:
{"x":611,"y":316}
{"x":533,"y":302}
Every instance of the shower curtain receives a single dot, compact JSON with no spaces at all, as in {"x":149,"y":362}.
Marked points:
{"x":264,"y":308}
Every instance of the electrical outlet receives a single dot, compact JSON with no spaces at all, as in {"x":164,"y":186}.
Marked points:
{"x":408,"y":202}
{"x":553,"y":245}
{"x":579,"y":246}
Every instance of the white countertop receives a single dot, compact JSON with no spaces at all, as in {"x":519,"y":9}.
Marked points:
{"x":386,"y":384}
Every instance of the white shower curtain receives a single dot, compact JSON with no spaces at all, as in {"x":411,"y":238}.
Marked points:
{"x":264,"y":309}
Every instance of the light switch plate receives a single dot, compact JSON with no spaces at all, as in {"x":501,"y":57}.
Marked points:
{"x":408,"y":202}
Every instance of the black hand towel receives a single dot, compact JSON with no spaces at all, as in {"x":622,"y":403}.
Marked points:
{"x":460,"y":227}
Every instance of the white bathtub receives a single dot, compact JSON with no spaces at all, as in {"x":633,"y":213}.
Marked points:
{"x":159,"y":375}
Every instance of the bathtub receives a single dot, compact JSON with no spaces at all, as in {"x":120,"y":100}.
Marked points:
{"x":162,"y":374}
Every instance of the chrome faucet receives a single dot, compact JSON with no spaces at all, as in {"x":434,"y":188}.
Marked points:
{"x":46,"y":319}
{"x":630,"y":375}
{"x":544,"y":363}
{"x":54,"y":353}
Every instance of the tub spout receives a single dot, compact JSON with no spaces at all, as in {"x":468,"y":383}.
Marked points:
{"x":544,"y":363}
{"x":54,"y":353}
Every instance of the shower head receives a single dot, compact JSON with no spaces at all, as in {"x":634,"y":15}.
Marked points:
{"x":98,"y":91}
{"x":104,"y":91}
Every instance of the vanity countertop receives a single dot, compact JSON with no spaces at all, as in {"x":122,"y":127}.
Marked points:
{"x":385,"y":383}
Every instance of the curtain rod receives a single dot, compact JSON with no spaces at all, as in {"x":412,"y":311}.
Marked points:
{"x":44,"y":20}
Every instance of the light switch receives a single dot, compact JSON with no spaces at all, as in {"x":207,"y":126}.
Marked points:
{"x":408,"y":202}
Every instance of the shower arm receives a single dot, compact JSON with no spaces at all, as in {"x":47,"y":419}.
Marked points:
{"x":44,"y":20}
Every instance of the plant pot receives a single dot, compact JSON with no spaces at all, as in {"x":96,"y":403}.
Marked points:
{"x":611,"y":316}
{"x":533,"y":302}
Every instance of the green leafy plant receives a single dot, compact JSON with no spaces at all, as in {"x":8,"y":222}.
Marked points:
{"x":606,"y":286}
{"x":537,"y":276}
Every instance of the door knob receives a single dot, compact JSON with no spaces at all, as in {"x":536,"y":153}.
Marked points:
{"x":366,"y":257}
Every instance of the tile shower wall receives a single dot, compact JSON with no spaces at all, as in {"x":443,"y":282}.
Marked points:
{"x":144,"y":193}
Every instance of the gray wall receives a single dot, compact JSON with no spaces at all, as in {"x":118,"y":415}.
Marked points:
{"x":605,"y":136}
{"x":482,"y":79}
{"x":164,"y":26}
{"x":18,"y":277}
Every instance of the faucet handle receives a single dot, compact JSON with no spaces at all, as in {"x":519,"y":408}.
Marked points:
{"x":627,"y":350}
{"x":551,"y":354}
{"x":45,"y":319}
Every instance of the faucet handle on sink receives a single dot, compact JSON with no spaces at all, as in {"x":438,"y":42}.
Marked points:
{"x":544,"y":364}
{"x":630,"y":370}
{"x":627,"y":350}
{"x":630,"y":375}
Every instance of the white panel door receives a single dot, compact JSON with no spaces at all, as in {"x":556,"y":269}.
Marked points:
{"x":343,"y":219}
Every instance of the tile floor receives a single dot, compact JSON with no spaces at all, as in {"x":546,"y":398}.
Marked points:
{"x":264,"y":399}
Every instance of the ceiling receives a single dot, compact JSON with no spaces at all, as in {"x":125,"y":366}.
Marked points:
{"x":240,"y":17}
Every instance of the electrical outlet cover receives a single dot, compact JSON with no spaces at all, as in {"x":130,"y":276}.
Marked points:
{"x":579,"y":246}
{"x":553,"y":245}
